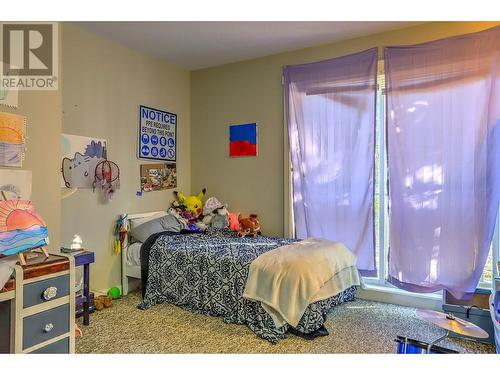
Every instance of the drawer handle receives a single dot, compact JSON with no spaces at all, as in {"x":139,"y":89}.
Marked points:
{"x":48,"y":327}
{"x":49,"y":293}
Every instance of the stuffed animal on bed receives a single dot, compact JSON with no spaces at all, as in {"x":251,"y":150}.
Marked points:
{"x":234,"y":224}
{"x":215,"y":213}
{"x":220,"y":219}
{"x":249,"y":226}
{"x":192,"y":204}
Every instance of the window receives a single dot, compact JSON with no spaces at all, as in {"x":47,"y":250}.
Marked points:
{"x":381,"y":192}
{"x":381,"y":202}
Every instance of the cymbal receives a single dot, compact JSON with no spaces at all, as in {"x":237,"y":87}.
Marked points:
{"x":452,"y":323}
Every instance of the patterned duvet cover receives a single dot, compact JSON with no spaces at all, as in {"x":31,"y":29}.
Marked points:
{"x":206,"y":273}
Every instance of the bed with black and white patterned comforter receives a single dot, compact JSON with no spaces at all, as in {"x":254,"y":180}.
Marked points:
{"x":206,"y":273}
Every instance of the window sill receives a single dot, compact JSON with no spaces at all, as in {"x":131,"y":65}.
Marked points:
{"x":394,"y":290}
{"x":388,"y":294}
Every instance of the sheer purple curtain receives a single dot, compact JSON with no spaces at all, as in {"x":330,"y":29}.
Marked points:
{"x":331,"y":123}
{"x":443,"y":119}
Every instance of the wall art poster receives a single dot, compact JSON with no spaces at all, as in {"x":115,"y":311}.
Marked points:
{"x":21,"y":227}
{"x":158,"y":176}
{"x":15,"y":184}
{"x":80,"y":156}
{"x":9,"y":97}
{"x":243,"y":140}
{"x":157,"y":135}
{"x":12,"y":139}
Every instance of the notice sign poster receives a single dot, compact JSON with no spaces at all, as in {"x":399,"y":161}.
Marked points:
{"x":157,"y":134}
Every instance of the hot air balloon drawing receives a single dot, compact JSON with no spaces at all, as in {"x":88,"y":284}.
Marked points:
{"x":21,"y":228}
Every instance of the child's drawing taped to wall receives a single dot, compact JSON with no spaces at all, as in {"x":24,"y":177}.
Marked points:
{"x":80,"y":156}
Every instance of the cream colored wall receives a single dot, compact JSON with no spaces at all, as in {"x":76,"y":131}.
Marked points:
{"x":103,"y":86}
{"x":251,"y":91}
{"x":43,"y":112}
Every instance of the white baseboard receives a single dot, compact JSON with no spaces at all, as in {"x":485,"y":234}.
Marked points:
{"x":104,"y":292}
{"x":379,"y":294}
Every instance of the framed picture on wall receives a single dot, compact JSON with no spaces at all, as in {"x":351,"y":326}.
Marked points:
{"x":158,"y":176}
{"x":243,"y":140}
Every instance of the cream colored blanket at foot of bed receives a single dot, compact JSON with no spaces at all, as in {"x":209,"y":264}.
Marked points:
{"x":287,"y":279}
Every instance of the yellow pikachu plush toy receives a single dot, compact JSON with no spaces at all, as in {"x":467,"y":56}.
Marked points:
{"x":192,"y":203}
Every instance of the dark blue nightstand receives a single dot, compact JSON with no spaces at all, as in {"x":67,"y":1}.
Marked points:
{"x":84,"y":259}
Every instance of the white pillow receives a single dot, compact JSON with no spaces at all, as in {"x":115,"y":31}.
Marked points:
{"x":134,"y":223}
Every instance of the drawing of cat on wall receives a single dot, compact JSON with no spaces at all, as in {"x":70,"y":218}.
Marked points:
{"x":79,"y":171}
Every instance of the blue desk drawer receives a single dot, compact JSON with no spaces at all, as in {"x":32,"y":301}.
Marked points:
{"x":58,"y":347}
{"x":33,"y":292}
{"x":45,"y":325}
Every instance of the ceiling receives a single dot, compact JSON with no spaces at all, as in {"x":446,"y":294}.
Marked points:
{"x":196,"y":45}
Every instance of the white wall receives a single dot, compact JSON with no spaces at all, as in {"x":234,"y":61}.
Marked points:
{"x":103,"y":85}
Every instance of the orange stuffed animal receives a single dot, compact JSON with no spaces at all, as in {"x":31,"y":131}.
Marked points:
{"x":248,"y":226}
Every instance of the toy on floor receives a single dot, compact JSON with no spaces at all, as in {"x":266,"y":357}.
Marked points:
{"x":114,"y":292}
{"x":248,"y":226}
{"x":101,"y":302}
{"x":78,"y":331}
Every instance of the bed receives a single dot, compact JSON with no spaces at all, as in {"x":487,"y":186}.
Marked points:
{"x":131,"y":267}
{"x":206,"y":273}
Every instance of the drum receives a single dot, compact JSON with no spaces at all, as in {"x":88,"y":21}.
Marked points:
{"x":411,"y":346}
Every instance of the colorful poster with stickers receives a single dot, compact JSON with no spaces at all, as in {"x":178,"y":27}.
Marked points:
{"x":158,"y":177}
{"x":157,"y":135}
{"x":12,"y":139}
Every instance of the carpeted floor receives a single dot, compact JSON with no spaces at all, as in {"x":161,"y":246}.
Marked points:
{"x":355,"y":327}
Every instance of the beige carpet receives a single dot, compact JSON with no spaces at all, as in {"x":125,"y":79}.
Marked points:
{"x":355,"y":327}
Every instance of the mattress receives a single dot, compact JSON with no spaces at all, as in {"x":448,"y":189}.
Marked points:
{"x":206,"y":273}
{"x":134,"y":254}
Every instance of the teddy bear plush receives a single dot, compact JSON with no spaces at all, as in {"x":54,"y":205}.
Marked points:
{"x":249,"y":226}
{"x":101,"y":302}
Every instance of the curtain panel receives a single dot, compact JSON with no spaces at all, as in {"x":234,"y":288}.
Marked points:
{"x":443,"y":126}
{"x":330,"y":107}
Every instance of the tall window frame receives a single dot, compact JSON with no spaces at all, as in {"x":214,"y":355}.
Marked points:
{"x":381,"y":200}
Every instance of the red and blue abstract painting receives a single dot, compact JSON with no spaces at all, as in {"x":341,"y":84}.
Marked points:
{"x":243,"y":140}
